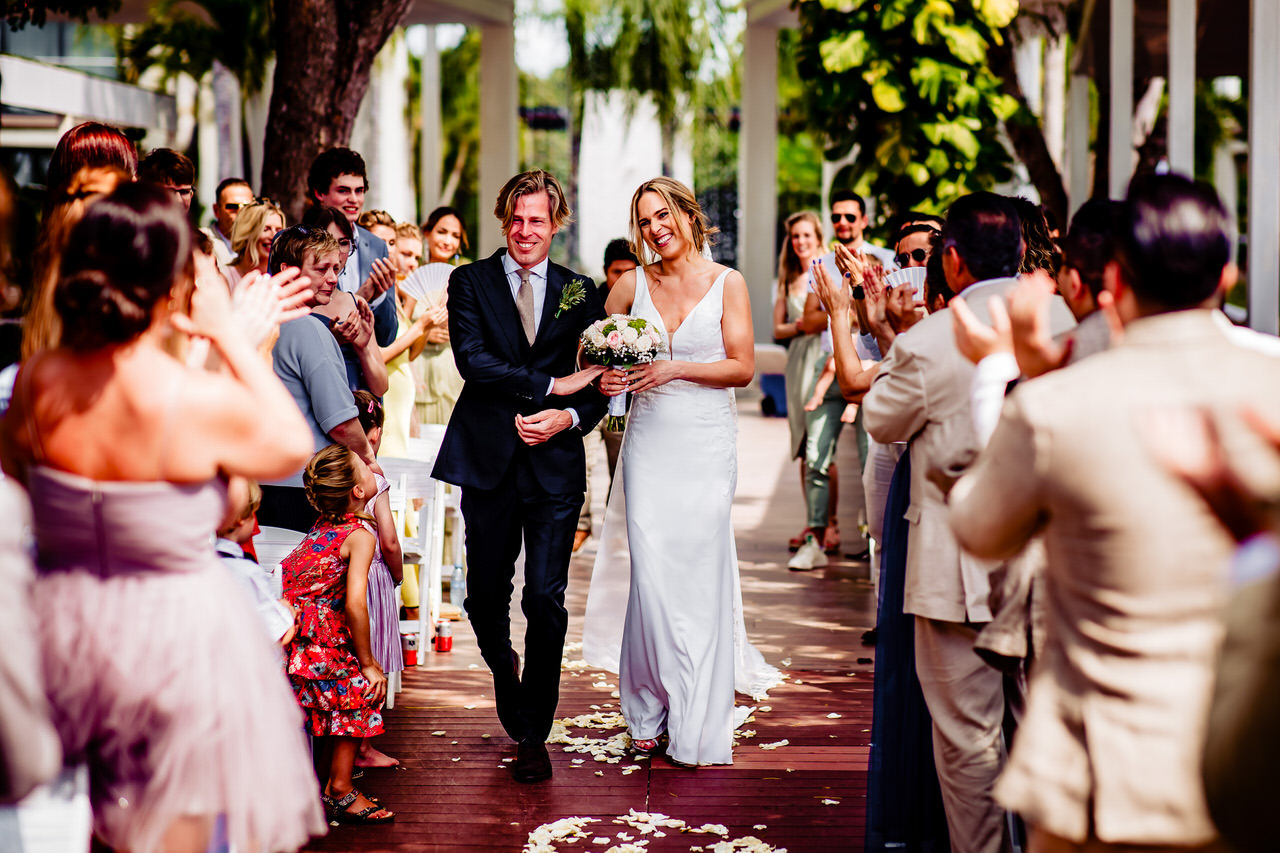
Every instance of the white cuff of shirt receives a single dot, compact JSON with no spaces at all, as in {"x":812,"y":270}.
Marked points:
{"x":986,"y":392}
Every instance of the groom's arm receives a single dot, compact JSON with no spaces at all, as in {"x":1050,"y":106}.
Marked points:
{"x":476,"y":362}
{"x":589,"y":404}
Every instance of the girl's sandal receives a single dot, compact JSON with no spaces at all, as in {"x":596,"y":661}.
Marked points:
{"x":338,"y":810}
{"x":831,"y":539}
{"x":648,"y":746}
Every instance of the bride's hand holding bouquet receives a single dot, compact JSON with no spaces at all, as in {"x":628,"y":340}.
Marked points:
{"x":622,"y":342}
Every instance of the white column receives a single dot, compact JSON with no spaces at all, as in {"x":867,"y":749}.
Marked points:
{"x":431,"y":146}
{"x":1264,"y":167}
{"x":499,"y":113}
{"x":1053,"y":117}
{"x":758,"y":172}
{"x":1078,"y":155}
{"x":1182,"y":85}
{"x":1120,"y":163}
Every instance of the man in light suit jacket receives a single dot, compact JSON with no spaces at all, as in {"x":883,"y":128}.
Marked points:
{"x":921,"y":395}
{"x":1108,"y":752}
{"x":338,"y":179}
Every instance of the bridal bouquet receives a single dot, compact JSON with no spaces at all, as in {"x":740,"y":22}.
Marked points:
{"x":621,"y":340}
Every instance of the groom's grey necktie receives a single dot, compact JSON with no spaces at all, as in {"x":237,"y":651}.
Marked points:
{"x":524,"y":305}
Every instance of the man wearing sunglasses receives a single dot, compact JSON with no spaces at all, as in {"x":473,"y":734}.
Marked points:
{"x":232,"y":196}
{"x":849,"y":220}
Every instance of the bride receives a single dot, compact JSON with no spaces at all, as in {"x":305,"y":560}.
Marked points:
{"x":668,"y":554}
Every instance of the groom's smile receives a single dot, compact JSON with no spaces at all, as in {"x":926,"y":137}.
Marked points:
{"x":530,"y":233}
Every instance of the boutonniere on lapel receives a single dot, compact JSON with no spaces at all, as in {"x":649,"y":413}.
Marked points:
{"x":572,"y":294}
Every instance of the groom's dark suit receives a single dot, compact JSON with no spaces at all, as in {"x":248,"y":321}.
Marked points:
{"x":510,"y":488}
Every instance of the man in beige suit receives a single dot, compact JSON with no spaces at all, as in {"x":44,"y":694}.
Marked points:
{"x":921,"y":395}
{"x":1108,"y":752}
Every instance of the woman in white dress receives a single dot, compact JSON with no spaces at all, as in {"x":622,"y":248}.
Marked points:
{"x":668,"y":548}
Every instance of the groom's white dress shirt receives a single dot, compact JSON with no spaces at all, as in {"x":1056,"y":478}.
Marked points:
{"x":537,"y":281}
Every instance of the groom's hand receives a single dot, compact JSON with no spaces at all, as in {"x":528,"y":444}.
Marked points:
{"x":536,"y":429}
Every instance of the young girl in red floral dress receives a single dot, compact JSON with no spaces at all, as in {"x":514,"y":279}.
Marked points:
{"x":330,"y":662}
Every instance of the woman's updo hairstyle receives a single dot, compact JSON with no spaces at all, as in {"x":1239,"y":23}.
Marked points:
{"x":328,"y":480}
{"x":121,"y":259}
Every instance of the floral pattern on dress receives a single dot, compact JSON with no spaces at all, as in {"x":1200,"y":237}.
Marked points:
{"x":322,"y":663}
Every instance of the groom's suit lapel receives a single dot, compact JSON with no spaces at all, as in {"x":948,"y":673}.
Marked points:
{"x":555,"y":284}
{"x":497,"y":292}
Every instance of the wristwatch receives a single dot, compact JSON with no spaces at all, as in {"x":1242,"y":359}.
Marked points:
{"x":858,"y":292}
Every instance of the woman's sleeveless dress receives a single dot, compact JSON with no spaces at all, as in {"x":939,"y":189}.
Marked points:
{"x":440,"y":383}
{"x":158,"y":673}
{"x":397,"y":405}
{"x":803,"y":355}
{"x":322,"y":663}
{"x":668,"y":552}
{"x":384,"y":614}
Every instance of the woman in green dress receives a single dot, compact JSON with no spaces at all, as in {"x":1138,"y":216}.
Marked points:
{"x":804,"y":350}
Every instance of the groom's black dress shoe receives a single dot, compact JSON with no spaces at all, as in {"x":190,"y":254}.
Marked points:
{"x":532,"y":762}
{"x":506,"y":695}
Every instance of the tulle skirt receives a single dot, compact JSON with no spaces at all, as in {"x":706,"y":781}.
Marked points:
{"x":163,"y":683}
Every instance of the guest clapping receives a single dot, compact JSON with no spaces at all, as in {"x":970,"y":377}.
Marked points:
{"x":120,"y":446}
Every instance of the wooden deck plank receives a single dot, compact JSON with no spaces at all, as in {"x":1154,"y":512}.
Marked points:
{"x":807,"y":624}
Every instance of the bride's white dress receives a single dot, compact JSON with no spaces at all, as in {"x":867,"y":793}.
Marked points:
{"x":668,"y":560}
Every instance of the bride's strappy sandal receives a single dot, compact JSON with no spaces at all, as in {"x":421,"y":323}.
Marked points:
{"x":646,"y":747}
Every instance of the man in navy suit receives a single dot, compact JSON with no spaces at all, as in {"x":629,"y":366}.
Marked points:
{"x":338,"y":179}
{"x":514,"y":445}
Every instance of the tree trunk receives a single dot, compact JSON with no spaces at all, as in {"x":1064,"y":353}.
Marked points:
{"x":1025,"y":134}
{"x":324,"y":54}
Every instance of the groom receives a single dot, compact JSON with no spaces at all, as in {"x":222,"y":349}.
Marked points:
{"x":514,"y":445}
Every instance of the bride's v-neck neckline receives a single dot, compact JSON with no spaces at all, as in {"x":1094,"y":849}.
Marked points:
{"x":663,"y":320}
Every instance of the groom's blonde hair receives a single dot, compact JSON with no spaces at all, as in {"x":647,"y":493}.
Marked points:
{"x":693,"y":226}
{"x":531,"y":183}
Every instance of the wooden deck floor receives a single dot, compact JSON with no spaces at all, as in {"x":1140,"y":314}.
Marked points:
{"x":454,"y":791}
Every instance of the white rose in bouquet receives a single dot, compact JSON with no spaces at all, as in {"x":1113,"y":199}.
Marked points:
{"x":644,"y":343}
{"x":629,"y":335}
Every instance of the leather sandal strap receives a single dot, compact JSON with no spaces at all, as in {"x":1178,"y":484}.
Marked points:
{"x":350,"y":798}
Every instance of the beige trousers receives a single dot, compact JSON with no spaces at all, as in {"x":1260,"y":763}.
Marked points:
{"x":966,"y":700}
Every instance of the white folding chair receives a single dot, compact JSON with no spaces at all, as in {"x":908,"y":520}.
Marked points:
{"x":272,"y":545}
{"x":427,"y":548}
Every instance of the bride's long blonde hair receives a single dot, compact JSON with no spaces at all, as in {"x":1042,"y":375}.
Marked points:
{"x":693,"y":226}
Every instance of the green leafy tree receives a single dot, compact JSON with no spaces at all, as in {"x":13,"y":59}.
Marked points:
{"x":189,"y":36}
{"x":906,"y":84}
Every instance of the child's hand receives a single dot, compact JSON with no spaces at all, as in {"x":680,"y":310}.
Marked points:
{"x":813,"y":404}
{"x":376,"y":692}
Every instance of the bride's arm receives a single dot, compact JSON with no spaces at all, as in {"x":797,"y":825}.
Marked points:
{"x":734,"y":371}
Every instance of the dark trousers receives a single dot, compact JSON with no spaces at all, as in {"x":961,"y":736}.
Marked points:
{"x":497,"y":520}
{"x":287,"y":507}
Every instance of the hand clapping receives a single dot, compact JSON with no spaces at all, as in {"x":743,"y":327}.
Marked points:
{"x":382,"y":275}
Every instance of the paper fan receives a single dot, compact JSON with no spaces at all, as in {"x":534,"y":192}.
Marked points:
{"x":426,"y":279}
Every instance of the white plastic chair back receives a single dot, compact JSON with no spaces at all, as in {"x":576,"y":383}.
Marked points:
{"x":272,"y":545}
